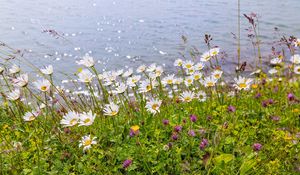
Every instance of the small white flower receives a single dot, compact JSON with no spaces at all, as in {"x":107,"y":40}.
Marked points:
{"x":187,"y":96}
{"x":178,"y":62}
{"x":188,"y":64}
{"x":86,"y":119}
{"x":153,"y":106}
{"x":199,"y":66}
{"x":297,"y":42}
{"x":121,"y":88}
{"x":111,"y":109}
{"x":87,"y":61}
{"x":151,"y":68}
{"x":14,"y":95}
{"x":70,"y":119}
{"x":85,"y":76}
{"x":197,"y":76}
{"x":21,"y":81}
{"x":43,"y":85}
{"x":168,"y":80}
{"x":242,"y":83}
{"x":128,"y":73}
{"x":217,"y":74}
{"x":141,"y":68}
{"x":201,"y":95}
{"x":272,"y":71}
{"x":189,"y":80}
{"x":30,"y":116}
{"x":205,"y":56}
{"x":209,"y":81}
{"x":295,"y":59}
{"x":258,"y":71}
{"x":48,"y":70}
{"x":275,"y":61}
{"x":297,"y":70}
{"x":214,"y":51}
{"x":158,"y":71}
{"x":131,"y":81}
{"x":147,"y":85}
{"x":87,"y":142}
{"x":14,"y":69}
{"x":118,"y":72}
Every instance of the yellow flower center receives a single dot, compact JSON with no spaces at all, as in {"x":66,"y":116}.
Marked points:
{"x":242,"y":85}
{"x":148,"y":87}
{"x":189,"y":81}
{"x":254,"y":86}
{"x":31,"y":118}
{"x":210,"y":84}
{"x":113,"y":112}
{"x":170,"y":81}
{"x":214,"y":53}
{"x":196,"y":77}
{"x":217,"y":76}
{"x":73,"y":121}
{"x":187,"y":99}
{"x":87,"y":142}
{"x":87,"y":120}
{"x":188,"y":66}
{"x":43,"y":88}
{"x":155,"y":106}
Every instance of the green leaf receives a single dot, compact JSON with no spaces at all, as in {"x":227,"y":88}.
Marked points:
{"x":223,"y":157}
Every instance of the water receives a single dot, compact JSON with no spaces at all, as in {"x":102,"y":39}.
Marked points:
{"x":131,"y":32}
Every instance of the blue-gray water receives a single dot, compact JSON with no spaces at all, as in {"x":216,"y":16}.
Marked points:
{"x":130,"y":32}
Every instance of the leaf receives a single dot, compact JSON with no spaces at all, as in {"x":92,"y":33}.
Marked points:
{"x":223,"y":157}
{"x":247,"y":165}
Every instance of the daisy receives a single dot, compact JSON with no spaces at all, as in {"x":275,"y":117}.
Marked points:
{"x":14,"y":69}
{"x":48,"y":70}
{"x":147,"y":85}
{"x":214,"y":51}
{"x":188,"y":64}
{"x":121,"y":88}
{"x":14,"y":95}
{"x":21,"y":81}
{"x":205,"y":56}
{"x":111,"y":109}
{"x":151,"y":68}
{"x":199,"y":66}
{"x":158,"y":71}
{"x":43,"y":85}
{"x":87,"y":61}
{"x":297,"y":42}
{"x":297,"y":70}
{"x":201,"y":95}
{"x":217,"y":74}
{"x":153,"y":106}
{"x":178,"y":81}
{"x":190,"y":71}
{"x":141,"y":68}
{"x":85,"y":76}
{"x":168,"y":80}
{"x":30,"y":116}
{"x":87,"y":142}
{"x":242,"y":83}
{"x":131,"y":81}
{"x":275,"y":61}
{"x":117,"y":73}
{"x":209,"y":81}
{"x":86,"y":119}
{"x":128,"y":73}
{"x":187,"y":96}
{"x":295,"y":59}
{"x":197,"y":76}
{"x":178,"y":62}
{"x":189,"y":80}
{"x":272,"y":71}
{"x":70,"y":119}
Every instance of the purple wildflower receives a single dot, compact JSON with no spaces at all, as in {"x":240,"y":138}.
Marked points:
{"x":231,"y":108}
{"x":166,"y":122}
{"x":258,"y":95}
{"x":177,"y":128}
{"x":257,"y":146}
{"x":192,"y":133}
{"x":174,"y":136}
{"x":203,"y":144}
{"x":291,"y":96}
{"x":127,"y":163}
{"x":193,"y":118}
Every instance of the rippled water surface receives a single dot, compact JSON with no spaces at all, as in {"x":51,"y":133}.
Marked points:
{"x":130,"y":32}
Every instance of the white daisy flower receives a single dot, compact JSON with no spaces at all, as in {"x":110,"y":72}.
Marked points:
{"x":272,"y":71}
{"x":128,"y":73}
{"x":132,"y":81}
{"x":14,"y":95}
{"x":121,"y":88}
{"x":70,"y":119}
{"x":43,"y":85}
{"x":206,"y":56}
{"x":151,"y":68}
{"x":141,"y":68}
{"x":85,"y":76}
{"x":275,"y":61}
{"x":197,"y":76}
{"x":158,"y":71}
{"x":48,"y":70}
{"x":87,"y":61}
{"x":147,"y":85}
{"x":187,"y":96}
{"x":242,"y":83}
{"x":188,"y":64}
{"x":217,"y":74}
{"x":178,"y":62}
{"x":168,"y":80}
{"x":199,"y":66}
{"x":86,"y":119}
{"x":201,"y":95}
{"x":209,"y":81}
{"x":297,"y":42}
{"x":21,"y":81}
{"x":295,"y":59}
{"x":14,"y":69}
{"x":190,"y":71}
{"x":111,"y":109}
{"x":87,"y":142}
{"x":214,"y":51}
{"x":297,"y":70}
{"x":30,"y":116}
{"x":117,"y":73}
{"x":153,"y":106}
{"x":189,"y":80}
